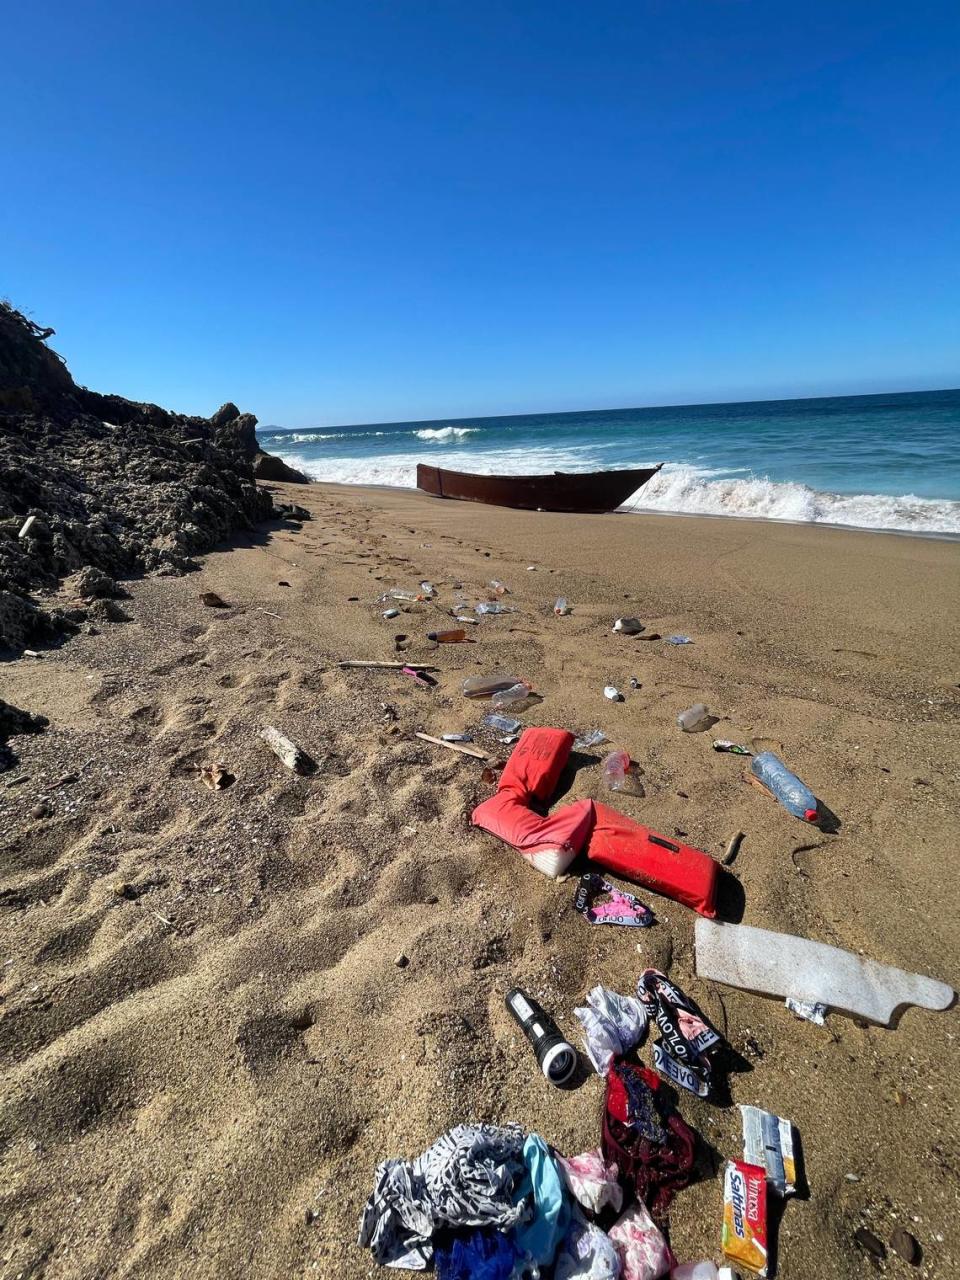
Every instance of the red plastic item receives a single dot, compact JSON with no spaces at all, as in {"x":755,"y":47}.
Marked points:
{"x":507,"y":816}
{"x":536,"y":763}
{"x":635,"y":852}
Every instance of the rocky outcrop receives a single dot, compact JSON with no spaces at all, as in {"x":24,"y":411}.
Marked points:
{"x":114,"y":487}
{"x":267,"y":466}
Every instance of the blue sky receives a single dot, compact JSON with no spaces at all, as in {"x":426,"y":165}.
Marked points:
{"x":371,"y":211}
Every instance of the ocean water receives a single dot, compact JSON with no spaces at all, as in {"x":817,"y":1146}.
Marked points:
{"x":871,"y":462}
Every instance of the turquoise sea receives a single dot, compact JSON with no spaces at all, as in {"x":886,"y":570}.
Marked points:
{"x":873,"y":462}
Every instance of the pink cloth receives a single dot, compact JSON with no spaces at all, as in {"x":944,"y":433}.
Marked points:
{"x":644,"y":1254}
{"x":591,"y":1181}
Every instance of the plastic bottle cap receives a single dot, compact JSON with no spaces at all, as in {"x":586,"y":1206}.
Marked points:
{"x":810,"y":815}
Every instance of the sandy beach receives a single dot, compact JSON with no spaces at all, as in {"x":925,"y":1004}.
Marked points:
{"x":206,"y":1044}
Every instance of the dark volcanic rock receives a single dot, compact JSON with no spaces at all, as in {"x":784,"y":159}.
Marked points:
{"x":266,"y":466}
{"x":116,"y":487}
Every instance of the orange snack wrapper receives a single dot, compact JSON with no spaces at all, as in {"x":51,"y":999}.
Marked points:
{"x":745,"y":1216}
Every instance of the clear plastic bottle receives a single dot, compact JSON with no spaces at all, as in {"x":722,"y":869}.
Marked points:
{"x":428,"y":590}
{"x":401,"y":594}
{"x":515,"y":696}
{"x":593,"y":738}
{"x":695,"y":718}
{"x":619,"y":774}
{"x":561,"y":608}
{"x":502,"y":724}
{"x":494,"y":607}
{"x":487,"y":686}
{"x":795,"y":796}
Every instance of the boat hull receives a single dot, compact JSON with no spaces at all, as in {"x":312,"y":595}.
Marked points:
{"x":562,"y":491}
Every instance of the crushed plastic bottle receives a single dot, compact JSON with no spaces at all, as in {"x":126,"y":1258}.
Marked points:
{"x":629,"y":626}
{"x":515,"y":696}
{"x":587,"y":740}
{"x":462,"y":617}
{"x":795,"y":796}
{"x":561,"y":608}
{"x":612,"y":693}
{"x":620,"y":774}
{"x":695,"y":719}
{"x":428,"y":590}
{"x":493,"y":607}
{"x":402,"y":594}
{"x":487,"y":686}
{"x":679,"y":640}
{"x":502,"y":724}
{"x":498,"y":588}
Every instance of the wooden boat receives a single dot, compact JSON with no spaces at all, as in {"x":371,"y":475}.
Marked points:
{"x":562,"y":491}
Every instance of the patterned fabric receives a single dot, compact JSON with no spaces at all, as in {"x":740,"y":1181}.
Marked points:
{"x":686,"y":1050}
{"x":468,"y":1178}
{"x":645,"y":1136}
{"x":644,"y":1254}
{"x":587,"y":1253}
{"x":612,"y":1025}
{"x":591,"y":1181}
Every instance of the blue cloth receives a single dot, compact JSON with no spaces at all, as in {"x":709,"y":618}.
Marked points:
{"x":485,"y":1254}
{"x":538,"y":1239}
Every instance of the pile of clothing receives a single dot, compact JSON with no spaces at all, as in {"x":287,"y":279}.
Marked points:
{"x":489,"y":1202}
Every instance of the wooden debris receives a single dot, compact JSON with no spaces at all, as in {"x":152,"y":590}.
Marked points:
{"x":459,"y":747}
{"x":386,"y":666}
{"x":733,"y":848}
{"x":291,"y":755}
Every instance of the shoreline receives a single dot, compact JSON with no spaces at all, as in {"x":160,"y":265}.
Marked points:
{"x":936,"y":536}
{"x":207,"y":1044}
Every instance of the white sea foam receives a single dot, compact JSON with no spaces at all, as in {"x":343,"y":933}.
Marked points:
{"x":677,"y":488}
{"x":695,"y":490}
{"x":444,"y":433}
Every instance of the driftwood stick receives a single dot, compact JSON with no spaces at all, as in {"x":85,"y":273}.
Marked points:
{"x":462,"y":747}
{"x":291,"y":755}
{"x":387,"y":666}
{"x":733,"y":848}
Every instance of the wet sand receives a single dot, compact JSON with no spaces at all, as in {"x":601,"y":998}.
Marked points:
{"x":206,"y":1044}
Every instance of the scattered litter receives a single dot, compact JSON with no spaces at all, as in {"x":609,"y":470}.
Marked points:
{"x":688,"y":1047}
{"x":644,"y":1253}
{"x":27,"y":526}
{"x":594,"y":738}
{"x":557,"y":1058}
{"x":808,"y":1010}
{"x":779,"y":964}
{"x":734,"y":748}
{"x":679,"y":640}
{"x":561,"y":608}
{"x":795,"y":796}
{"x":487,"y":686}
{"x":391,"y":613}
{"x":592,"y":1181}
{"x":31,"y":653}
{"x":744,"y":1236}
{"x":646,"y":1137}
{"x":629,"y":626}
{"x":292,"y":756}
{"x":515,"y":696}
{"x":499,"y":588}
{"x":215,"y":776}
{"x":617,"y":907}
{"x":695,"y":719}
{"x":462,"y":617}
{"x":385,"y":666}
{"x":621,"y":774}
{"x":212,"y":600}
{"x":502,"y":724}
{"x":531,"y":568}
{"x":458,"y":636}
{"x":419,"y":676}
{"x":461,"y":747}
{"x":612,"y":693}
{"x":768,"y":1142}
{"x":494,"y":607}
{"x":733,"y":848}
{"x":267,"y":612}
{"x":457,"y":737}
{"x":612,"y":1026}
{"x":634,"y":683}
{"x":402,"y":595}
{"x":428,"y":590}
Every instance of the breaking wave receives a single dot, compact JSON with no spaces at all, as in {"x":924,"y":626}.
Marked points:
{"x":444,"y":433}
{"x":695,"y":491}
